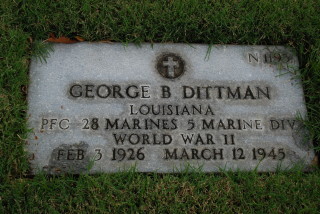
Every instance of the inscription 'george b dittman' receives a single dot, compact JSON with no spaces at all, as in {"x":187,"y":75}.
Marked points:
{"x":105,"y":107}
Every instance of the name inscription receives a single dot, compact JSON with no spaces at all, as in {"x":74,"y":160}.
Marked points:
{"x":104,"y":91}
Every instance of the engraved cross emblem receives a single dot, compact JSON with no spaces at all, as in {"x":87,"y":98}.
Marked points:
{"x":171,"y":65}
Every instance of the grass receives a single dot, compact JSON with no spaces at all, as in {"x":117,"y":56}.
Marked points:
{"x":155,"y":193}
{"x":24,"y":24}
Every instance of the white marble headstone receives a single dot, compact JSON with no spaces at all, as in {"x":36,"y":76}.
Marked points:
{"x":96,"y":107}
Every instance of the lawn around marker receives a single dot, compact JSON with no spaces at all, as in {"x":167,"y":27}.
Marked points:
{"x":24,"y":25}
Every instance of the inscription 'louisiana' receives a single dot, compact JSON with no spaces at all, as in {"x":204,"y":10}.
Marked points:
{"x":104,"y":91}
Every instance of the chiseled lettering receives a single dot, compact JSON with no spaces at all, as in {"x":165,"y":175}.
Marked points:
{"x":165,"y":91}
{"x":193,"y":154}
{"x":222,"y":92}
{"x":104,"y":91}
{"x":135,"y":139}
{"x":134,"y":94}
{"x":76,"y":90}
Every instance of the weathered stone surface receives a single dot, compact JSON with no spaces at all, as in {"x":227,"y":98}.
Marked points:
{"x":172,"y":105}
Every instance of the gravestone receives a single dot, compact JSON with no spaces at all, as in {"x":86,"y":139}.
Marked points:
{"x":97,"y":107}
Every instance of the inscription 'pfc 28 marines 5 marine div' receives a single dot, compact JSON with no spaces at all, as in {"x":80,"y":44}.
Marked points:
{"x":161,"y":108}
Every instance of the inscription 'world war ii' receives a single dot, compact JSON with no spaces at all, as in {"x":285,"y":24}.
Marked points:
{"x":235,"y":110}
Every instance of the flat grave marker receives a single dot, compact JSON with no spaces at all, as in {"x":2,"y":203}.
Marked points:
{"x":96,"y":107}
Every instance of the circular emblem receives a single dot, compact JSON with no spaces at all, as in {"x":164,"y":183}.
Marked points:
{"x":170,"y":65}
